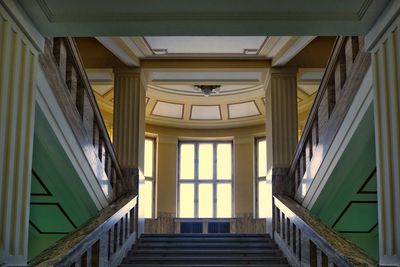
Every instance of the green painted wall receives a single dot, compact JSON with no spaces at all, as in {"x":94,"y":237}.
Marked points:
{"x":59,"y":200}
{"x":348,"y":201}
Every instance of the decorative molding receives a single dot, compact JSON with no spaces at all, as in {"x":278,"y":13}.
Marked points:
{"x":37,"y":177}
{"x":346,"y":209}
{"x":288,"y":51}
{"x":361,"y":190}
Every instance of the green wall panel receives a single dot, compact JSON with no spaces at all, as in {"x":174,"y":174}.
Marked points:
{"x":59,"y":200}
{"x":348,"y":202}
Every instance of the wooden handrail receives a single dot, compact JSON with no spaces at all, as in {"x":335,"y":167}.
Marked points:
{"x":346,"y":67}
{"x":305,"y":239}
{"x":102,"y":127}
{"x":64,"y":70}
{"x":106,"y":239}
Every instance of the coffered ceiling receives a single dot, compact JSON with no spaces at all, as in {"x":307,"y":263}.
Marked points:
{"x":202,"y":18}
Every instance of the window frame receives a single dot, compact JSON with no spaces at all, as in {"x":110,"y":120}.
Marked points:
{"x":196,"y":181}
{"x":154,"y":178}
{"x":257,"y":178}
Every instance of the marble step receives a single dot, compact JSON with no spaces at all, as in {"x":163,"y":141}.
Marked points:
{"x":205,"y":239}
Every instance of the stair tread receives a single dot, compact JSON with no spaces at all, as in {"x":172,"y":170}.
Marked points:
{"x":205,"y":250}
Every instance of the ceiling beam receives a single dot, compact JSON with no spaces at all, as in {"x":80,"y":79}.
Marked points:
{"x":290,"y":48}
{"x":121,"y":48}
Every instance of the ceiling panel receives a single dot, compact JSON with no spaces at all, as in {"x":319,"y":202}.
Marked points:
{"x":165,"y":109}
{"x":206,"y":44}
{"x":241,"y":110}
{"x":205,"y":113}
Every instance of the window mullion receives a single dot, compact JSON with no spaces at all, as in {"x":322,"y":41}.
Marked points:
{"x":196,"y":180}
{"x":214,"y":180}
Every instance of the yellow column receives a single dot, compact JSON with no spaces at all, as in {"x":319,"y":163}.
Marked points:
{"x":129,"y":129}
{"x":281,"y":130}
{"x":384,"y":43}
{"x":18,"y":63}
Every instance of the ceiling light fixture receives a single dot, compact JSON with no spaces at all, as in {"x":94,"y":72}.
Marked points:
{"x":208,"y":89}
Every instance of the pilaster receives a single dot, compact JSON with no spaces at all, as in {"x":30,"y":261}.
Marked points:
{"x":129,"y":128}
{"x":384,"y":44}
{"x":18,"y":65}
{"x":281,"y":130}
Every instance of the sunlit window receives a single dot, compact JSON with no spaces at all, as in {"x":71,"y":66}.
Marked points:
{"x":205,"y":179}
{"x":261,"y":182}
{"x":149,"y":173}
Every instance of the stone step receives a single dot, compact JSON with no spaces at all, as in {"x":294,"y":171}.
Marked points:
{"x":202,"y":265}
{"x":216,"y":245}
{"x":205,"y":235}
{"x":200,"y":252}
{"x":205,"y":239}
{"x":207,"y":259}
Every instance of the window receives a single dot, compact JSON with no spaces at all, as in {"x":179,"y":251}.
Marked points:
{"x":205,"y":179}
{"x":149,"y":173}
{"x":261,"y":181}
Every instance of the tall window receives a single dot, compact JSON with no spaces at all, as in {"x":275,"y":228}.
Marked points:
{"x":205,"y":179}
{"x":261,"y":181}
{"x":149,"y":173}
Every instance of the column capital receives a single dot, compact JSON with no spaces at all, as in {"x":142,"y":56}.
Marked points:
{"x":127,"y":71}
{"x":286,"y":71}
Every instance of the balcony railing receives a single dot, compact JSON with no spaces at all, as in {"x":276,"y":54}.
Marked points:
{"x":346,"y":68}
{"x":65,"y":73}
{"x":308,"y":242}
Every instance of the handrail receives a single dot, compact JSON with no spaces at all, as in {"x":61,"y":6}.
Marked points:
{"x":65,"y":72}
{"x":346,"y":66}
{"x":305,"y":239}
{"x":105,"y":239}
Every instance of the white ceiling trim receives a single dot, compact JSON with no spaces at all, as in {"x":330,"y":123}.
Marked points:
{"x":121,"y":48}
{"x":291,"y":48}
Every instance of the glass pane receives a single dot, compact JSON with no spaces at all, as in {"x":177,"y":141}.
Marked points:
{"x":262,"y":158}
{"x":206,"y":158}
{"x":186,"y":201}
{"x":262,"y":199}
{"x":186,"y":169}
{"x":148,"y":157}
{"x":205,"y":200}
{"x":148,"y":198}
{"x":224,"y":200}
{"x":224,"y":161}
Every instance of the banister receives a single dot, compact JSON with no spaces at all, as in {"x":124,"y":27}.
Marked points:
{"x":64,"y":70}
{"x":318,"y":98}
{"x":306,"y":241}
{"x":347,"y":65}
{"x":102,"y":127}
{"x":104,"y":239}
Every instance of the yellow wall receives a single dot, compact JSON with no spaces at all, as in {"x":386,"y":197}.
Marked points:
{"x":167,"y":140}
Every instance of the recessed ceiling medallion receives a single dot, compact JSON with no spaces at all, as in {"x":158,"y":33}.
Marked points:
{"x":208,"y":89}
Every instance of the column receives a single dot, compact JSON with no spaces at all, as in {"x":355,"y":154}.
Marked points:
{"x":18,"y":64}
{"x":281,"y":131}
{"x":383,"y":41}
{"x":129,"y":128}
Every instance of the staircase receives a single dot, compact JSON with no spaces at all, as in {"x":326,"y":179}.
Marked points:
{"x":208,"y":250}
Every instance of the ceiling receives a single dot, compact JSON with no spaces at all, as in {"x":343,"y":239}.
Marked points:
{"x":172,"y":77}
{"x":202,"y":18}
{"x":173,"y":100}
